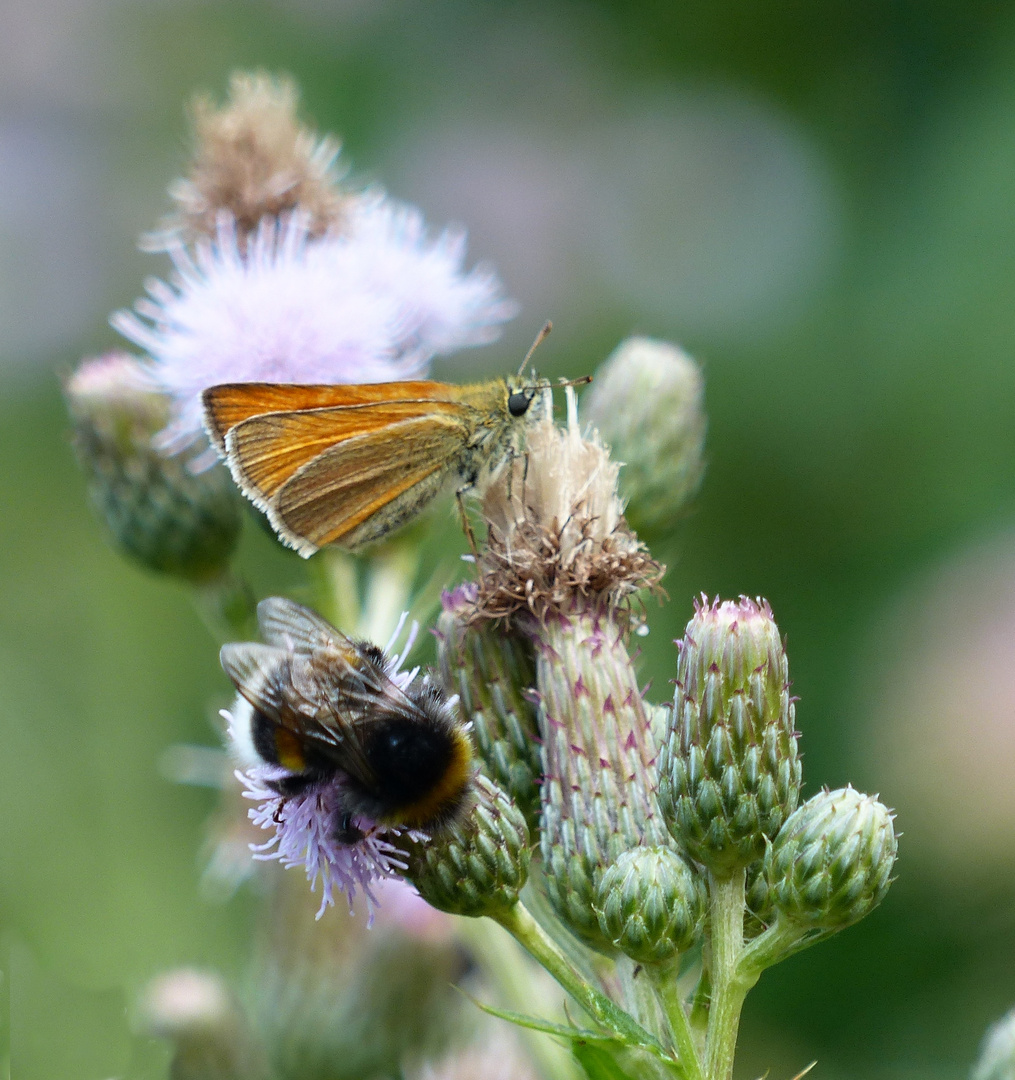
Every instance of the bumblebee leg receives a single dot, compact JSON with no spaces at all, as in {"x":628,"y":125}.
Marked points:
{"x":347,"y":833}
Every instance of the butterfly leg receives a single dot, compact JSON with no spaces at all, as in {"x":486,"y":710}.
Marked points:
{"x":466,"y":526}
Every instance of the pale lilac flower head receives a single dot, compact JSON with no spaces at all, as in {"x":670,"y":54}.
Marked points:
{"x":304,"y":835}
{"x":373,"y":302}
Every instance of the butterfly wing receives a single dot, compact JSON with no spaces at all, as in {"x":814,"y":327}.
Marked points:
{"x":359,"y":490}
{"x":347,"y":475}
{"x":228,"y":404}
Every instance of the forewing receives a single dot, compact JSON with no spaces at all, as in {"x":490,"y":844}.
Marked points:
{"x":228,"y":404}
{"x":291,"y":626}
{"x":326,"y":697}
{"x":300,"y":693}
{"x":260,"y":674}
{"x":346,"y":485}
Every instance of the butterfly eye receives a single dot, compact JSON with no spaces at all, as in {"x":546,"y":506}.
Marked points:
{"x":518,"y":403}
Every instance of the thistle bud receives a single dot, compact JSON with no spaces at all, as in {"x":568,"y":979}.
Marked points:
{"x":158,"y":512}
{"x":210,"y":1034}
{"x":561,"y":565}
{"x":997,"y":1055}
{"x":831,"y":863}
{"x":599,"y":797}
{"x":478,"y":866}
{"x":650,"y":904}
{"x":646,"y":402}
{"x":729,"y":769}
{"x":493,"y":672}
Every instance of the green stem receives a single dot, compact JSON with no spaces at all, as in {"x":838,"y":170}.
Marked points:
{"x":336,"y":588}
{"x":227,"y":607}
{"x":531,"y":936}
{"x":780,"y":940}
{"x":392,"y":571}
{"x":664,"y":980}
{"x":729,"y":988}
{"x":511,"y":971}
{"x":701,"y":1000}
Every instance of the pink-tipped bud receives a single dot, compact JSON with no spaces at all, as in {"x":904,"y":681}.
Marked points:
{"x":729,"y":769}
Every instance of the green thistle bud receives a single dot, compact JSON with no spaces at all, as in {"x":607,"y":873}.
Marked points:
{"x":478,"y":866}
{"x":831,"y":863}
{"x":158,"y":512}
{"x":646,"y":402}
{"x":492,"y":670}
{"x":650,"y":904}
{"x":599,"y":792}
{"x":729,"y":769}
{"x":997,"y":1055}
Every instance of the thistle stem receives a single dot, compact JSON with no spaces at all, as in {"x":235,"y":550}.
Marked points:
{"x":336,"y":588}
{"x":700,"y":1001}
{"x":511,"y":972}
{"x":227,"y":607}
{"x":664,"y":981}
{"x":530,"y":935}
{"x":389,"y":585}
{"x":729,"y":988}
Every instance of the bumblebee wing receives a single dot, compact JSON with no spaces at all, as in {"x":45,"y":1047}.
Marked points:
{"x":289,"y":689}
{"x":325,"y":698}
{"x":395,"y":471}
{"x":260,"y":673}
{"x":288,"y":625}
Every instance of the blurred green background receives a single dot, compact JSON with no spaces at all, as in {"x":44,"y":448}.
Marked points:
{"x":815,"y":200}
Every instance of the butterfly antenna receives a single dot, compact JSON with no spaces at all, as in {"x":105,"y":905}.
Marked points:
{"x":540,"y":338}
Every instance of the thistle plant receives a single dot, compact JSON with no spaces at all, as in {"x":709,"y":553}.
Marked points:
{"x":652,"y":858}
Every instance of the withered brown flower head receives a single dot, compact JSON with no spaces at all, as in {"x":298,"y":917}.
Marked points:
{"x":252,"y":157}
{"x":557,"y":538}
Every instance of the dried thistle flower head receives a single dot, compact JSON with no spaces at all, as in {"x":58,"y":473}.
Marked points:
{"x":557,"y":535}
{"x":252,"y":158}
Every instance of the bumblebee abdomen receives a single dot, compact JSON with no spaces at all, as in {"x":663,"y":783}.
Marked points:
{"x":278,"y":746}
{"x":422,"y":770}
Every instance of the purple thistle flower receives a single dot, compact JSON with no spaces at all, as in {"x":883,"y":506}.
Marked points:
{"x":304,"y":827}
{"x":373,"y":302}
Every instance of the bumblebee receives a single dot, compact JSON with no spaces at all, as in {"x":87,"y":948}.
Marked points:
{"x":328,"y":711}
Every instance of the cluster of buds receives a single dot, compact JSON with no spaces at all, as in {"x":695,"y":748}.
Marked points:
{"x":658,"y":828}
